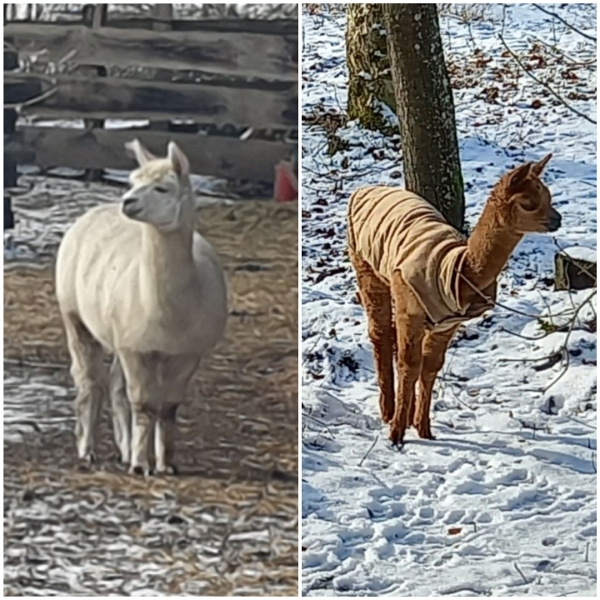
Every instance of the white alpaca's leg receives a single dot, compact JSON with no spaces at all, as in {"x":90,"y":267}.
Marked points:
{"x":175,"y":373}
{"x":121,"y":410}
{"x":142,"y":428}
{"x":88,"y":373}
{"x":139,"y":395}
{"x":163,"y":441}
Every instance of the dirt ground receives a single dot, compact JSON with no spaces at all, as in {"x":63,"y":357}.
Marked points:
{"x":228,"y":524}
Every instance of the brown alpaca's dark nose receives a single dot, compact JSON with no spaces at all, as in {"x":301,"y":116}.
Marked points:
{"x":555,"y":221}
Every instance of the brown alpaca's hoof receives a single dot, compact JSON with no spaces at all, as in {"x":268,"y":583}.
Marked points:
{"x":396,"y":436}
{"x":424,"y":431}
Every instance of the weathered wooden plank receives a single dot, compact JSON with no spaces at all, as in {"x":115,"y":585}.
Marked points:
{"x":16,"y":154}
{"x":11,"y":59}
{"x":20,"y":89}
{"x":286,"y":27}
{"x":243,"y":54}
{"x":102,"y":148}
{"x":282,"y":27}
{"x":104,"y":98}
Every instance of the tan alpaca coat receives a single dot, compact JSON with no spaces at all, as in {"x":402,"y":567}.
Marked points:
{"x":396,"y":230}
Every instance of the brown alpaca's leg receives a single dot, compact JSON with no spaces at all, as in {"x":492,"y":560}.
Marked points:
{"x":434,"y":351}
{"x":376,"y":300}
{"x":410,"y":330}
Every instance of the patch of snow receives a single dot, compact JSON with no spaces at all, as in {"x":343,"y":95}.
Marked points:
{"x":581,"y":253}
{"x":503,"y":502}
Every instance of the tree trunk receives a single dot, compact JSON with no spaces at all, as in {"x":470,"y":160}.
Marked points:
{"x":368,"y":66}
{"x":425,"y":108}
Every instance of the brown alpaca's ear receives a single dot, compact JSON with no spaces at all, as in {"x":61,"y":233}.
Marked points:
{"x":538,"y":167}
{"x":518,"y":176}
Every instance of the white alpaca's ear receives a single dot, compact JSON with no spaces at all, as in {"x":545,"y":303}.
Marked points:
{"x":538,"y":167}
{"x":179,"y":160}
{"x":142,"y":155}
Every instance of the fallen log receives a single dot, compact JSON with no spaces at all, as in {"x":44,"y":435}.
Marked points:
{"x":575,"y":268}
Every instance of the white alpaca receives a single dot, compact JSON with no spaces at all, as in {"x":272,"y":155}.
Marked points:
{"x":137,"y":280}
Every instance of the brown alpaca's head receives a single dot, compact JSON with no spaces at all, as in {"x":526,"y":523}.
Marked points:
{"x":527,"y":200}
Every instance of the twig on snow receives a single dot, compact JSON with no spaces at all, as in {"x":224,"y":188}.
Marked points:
{"x":524,"y":337}
{"x":325,"y":426}
{"x":521,"y":574}
{"x":579,"y":422}
{"x":369,"y":450}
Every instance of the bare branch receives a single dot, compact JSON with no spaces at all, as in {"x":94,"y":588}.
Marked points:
{"x":566,"y":342}
{"x":35,"y":100}
{"x":493,"y":303}
{"x":572,"y":27}
{"x":543,"y":84}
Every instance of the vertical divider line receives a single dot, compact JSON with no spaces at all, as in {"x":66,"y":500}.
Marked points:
{"x":300,"y":45}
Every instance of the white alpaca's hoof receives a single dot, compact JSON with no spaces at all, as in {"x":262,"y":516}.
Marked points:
{"x":143,"y":470}
{"x":167,"y":470}
{"x":89,"y":456}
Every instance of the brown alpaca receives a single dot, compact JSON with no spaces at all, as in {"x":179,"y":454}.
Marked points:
{"x":419,"y":279}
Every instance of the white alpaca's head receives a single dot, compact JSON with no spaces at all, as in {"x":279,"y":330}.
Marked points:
{"x":161,"y":193}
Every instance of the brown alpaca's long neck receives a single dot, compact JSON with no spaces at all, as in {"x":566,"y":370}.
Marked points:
{"x":489,"y":247}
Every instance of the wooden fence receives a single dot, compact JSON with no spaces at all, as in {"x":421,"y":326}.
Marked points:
{"x":226,"y":90}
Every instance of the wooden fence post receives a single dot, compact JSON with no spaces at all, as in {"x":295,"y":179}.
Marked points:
{"x":164,"y":15}
{"x":95,"y":16}
{"x":11,"y":63}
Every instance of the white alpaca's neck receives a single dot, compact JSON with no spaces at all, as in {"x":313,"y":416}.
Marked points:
{"x":167,"y":264}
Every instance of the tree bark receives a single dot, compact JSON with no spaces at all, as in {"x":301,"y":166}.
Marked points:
{"x":425,"y":108}
{"x":369,"y":77}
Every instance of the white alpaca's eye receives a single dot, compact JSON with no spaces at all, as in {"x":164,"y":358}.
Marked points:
{"x":161,"y":189}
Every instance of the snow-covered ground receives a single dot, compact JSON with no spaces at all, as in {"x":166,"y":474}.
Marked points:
{"x":503,"y":502}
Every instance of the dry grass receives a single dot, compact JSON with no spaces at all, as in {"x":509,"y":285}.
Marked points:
{"x":238,"y":453}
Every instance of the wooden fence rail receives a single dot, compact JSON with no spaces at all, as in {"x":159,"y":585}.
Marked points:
{"x":219,"y":156}
{"x":223,"y":52}
{"x":112,"y":97}
{"x":241,"y":73}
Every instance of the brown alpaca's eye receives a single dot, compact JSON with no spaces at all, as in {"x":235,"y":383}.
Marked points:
{"x":528,"y":205}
